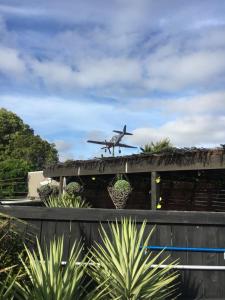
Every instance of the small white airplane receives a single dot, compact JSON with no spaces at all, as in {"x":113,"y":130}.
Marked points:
{"x":114,"y":141}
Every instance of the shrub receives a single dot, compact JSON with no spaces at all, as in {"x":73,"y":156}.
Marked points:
{"x":73,"y":188}
{"x":48,"y":278}
{"x":47,"y":190}
{"x":122,"y":268}
{"x":66,"y":201}
{"x":13,"y":234}
{"x":122,"y":185}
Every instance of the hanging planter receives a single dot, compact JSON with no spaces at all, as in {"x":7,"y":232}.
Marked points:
{"x":74,"y":188}
{"x":119,"y":191}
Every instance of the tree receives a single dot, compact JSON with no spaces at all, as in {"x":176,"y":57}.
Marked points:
{"x":18,"y":141}
{"x":160,"y":146}
{"x":21,"y":151}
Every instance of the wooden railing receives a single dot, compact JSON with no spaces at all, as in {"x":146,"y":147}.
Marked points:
{"x":13,"y":188}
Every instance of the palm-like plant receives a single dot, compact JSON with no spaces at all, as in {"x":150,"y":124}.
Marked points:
{"x":48,"y":278}
{"x":160,"y":146}
{"x":123,"y":268}
{"x":67,"y":201}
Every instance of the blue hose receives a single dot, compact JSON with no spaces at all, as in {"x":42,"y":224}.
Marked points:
{"x":188,"y":249}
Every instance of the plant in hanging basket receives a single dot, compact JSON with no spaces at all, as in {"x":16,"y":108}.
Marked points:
{"x":73,"y":188}
{"x":119,"y":193}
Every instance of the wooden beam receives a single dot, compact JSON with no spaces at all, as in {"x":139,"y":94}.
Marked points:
{"x":154,"y":190}
{"x":105,"y":215}
{"x":117,"y":165}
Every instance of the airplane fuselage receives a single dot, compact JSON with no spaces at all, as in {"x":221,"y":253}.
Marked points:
{"x":116,"y":139}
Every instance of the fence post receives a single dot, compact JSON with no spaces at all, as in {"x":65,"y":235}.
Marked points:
{"x":154,"y":190}
{"x":61,"y":185}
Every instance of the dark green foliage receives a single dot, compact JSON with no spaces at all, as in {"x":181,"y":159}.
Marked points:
{"x":122,"y":185}
{"x":160,"y":146}
{"x":20,"y":152}
{"x":17,"y":141}
{"x":73,"y":188}
{"x":47,"y":190}
{"x":13,"y":234}
{"x":13,"y":177}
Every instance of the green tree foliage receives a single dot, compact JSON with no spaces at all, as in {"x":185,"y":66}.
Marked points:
{"x":21,"y":151}
{"x":18,"y":141}
{"x":160,"y":146}
{"x":13,"y":173}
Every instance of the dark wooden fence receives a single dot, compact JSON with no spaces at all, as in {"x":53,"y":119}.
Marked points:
{"x":180,"y":229}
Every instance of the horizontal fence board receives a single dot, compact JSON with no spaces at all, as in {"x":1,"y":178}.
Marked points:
{"x":94,"y":214}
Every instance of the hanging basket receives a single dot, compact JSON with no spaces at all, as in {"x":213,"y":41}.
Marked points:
{"x":74,"y":188}
{"x":119,"y":197}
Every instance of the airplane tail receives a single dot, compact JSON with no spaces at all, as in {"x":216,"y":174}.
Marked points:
{"x":124,"y":131}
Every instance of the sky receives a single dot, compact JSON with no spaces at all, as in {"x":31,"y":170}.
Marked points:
{"x":78,"y":69}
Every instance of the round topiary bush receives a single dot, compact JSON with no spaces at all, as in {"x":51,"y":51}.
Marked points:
{"x":122,"y":185}
{"x":47,"y":190}
{"x":73,"y":188}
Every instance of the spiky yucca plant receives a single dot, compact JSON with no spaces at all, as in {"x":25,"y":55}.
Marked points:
{"x":49,"y":280}
{"x":67,"y":201}
{"x":121,"y":263}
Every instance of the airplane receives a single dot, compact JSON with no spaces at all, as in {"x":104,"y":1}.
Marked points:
{"x":114,"y":141}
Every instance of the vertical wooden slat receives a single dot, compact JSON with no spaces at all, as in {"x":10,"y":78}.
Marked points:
{"x":154,"y":190}
{"x":194,"y":279}
{"x":64,"y":229}
{"x":61,"y":185}
{"x":47,"y":233}
{"x":211,"y":278}
{"x":221,"y":260}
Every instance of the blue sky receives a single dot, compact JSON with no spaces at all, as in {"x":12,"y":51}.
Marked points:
{"x":75,"y":70}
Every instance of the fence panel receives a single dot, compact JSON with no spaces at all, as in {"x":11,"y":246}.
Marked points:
{"x":177,"y":229}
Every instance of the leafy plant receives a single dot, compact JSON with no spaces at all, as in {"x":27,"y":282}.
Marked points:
{"x":124,"y":270}
{"x":47,"y":190}
{"x":73,"y":188}
{"x":160,"y":146}
{"x":49,"y":280}
{"x":13,"y":233}
{"x":66,"y":201}
{"x":122,"y":185}
{"x":7,"y":285}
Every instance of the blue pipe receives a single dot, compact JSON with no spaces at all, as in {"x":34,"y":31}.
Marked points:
{"x":188,"y":249}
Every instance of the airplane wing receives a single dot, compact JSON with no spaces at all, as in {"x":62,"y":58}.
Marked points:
{"x":100,"y":143}
{"x":125,"y":146}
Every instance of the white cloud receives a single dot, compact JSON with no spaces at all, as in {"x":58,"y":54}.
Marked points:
{"x":109,"y":71}
{"x":21,"y":11}
{"x":185,"y":132}
{"x":11,"y":63}
{"x":179,"y":70}
{"x":65,"y":149}
{"x":90,"y":73}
